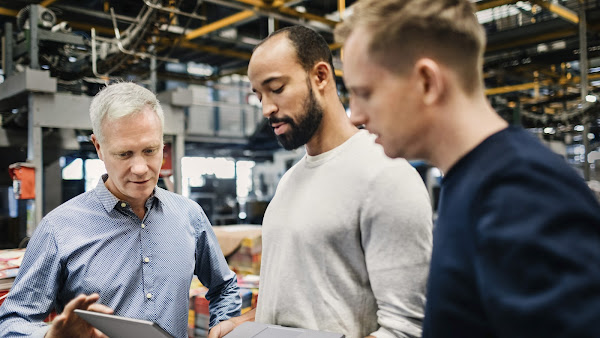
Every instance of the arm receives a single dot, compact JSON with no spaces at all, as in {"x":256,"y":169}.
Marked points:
{"x":538,"y":254}
{"x":396,"y":229}
{"x":212,"y":270}
{"x":227,"y":326}
{"x":32,"y":296}
{"x":34,"y":292}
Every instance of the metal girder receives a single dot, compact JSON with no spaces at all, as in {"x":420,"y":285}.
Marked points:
{"x":272,"y":12}
{"x":532,"y":85}
{"x":61,"y":110}
{"x":559,"y":10}
{"x":307,"y":16}
{"x":31,"y":80}
{"x":60,"y":37}
{"x":532,"y":40}
{"x":336,"y":45}
{"x":87,"y":27}
{"x":516,"y":88}
{"x":215,"y":50}
{"x":493,"y":3}
{"x":211,"y":27}
{"x":8,"y":12}
{"x":47,"y":3}
{"x":279,"y":7}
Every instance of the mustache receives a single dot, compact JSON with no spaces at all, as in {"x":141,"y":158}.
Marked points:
{"x":285,"y":119}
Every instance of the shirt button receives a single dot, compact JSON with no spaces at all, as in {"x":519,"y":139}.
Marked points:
{"x":146,"y":259}
{"x":123,"y":204}
{"x":148,"y":295}
{"x":143,"y":225}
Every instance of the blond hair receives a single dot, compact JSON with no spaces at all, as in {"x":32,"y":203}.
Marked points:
{"x":403,"y":31}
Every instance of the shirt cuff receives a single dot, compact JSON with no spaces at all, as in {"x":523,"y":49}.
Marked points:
{"x":40,"y":332}
{"x":384,"y":333}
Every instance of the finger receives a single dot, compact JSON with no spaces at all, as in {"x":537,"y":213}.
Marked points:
{"x":96,"y":307}
{"x":75,"y":303}
{"x":99,"y":334}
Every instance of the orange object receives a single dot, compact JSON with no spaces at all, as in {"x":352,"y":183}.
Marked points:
{"x":23,"y":175}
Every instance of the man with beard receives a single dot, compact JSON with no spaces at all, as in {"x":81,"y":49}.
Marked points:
{"x":347,"y":236}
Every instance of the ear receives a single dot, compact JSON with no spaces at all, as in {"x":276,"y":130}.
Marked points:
{"x":431,"y":80}
{"x":97,"y":146}
{"x":322,"y":74}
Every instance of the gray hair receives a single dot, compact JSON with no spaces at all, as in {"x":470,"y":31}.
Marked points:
{"x":119,"y":100}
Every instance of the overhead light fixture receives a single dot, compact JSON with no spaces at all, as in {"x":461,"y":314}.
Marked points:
{"x":591,"y":98}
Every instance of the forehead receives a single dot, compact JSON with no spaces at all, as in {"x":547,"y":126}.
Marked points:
{"x":358,"y":63}
{"x":141,"y":129}
{"x":276,"y":57}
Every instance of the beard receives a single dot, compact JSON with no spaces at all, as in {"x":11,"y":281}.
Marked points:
{"x":300,"y":133}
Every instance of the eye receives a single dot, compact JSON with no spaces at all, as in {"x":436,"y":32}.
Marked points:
{"x":361,"y":94}
{"x":278,"y":90}
{"x":150,"y":151}
{"x":123,"y":155}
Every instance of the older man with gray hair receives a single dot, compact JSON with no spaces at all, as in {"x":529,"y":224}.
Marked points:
{"x":126,"y":247}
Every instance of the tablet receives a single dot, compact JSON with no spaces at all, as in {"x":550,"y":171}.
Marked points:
{"x":258,"y":330}
{"x":122,"y":327}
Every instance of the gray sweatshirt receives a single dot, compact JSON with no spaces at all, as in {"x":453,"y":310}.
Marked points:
{"x":346,"y":244}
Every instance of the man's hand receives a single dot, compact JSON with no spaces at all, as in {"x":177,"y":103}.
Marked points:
{"x":227,"y":326}
{"x":68,"y":324}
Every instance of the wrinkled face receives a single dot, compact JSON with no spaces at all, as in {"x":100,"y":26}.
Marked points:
{"x":132,"y":151}
{"x":386,"y":103}
{"x":283,"y":87}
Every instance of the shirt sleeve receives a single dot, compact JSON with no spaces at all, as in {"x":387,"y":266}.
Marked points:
{"x":538,"y":254}
{"x":214,"y":273}
{"x":32,"y":295}
{"x":396,"y":230}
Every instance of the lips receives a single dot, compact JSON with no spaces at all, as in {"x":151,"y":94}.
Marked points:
{"x":279,"y":127}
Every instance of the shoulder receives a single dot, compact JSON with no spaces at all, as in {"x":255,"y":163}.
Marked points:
{"x":73,"y":207}
{"x":178,"y":205}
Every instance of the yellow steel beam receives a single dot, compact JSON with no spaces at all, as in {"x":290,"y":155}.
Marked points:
{"x":533,"y":85}
{"x":493,"y":3}
{"x":8,"y":12}
{"x":335,"y":46}
{"x":213,"y":26}
{"x":561,"y":11}
{"x":278,"y":7}
{"x":339,"y":72}
{"x":215,"y":50}
{"x":47,"y":3}
{"x":307,"y":16}
{"x":516,"y":88}
{"x":341,"y":8}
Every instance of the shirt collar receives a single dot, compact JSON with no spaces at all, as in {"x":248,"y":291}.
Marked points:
{"x":110,"y":201}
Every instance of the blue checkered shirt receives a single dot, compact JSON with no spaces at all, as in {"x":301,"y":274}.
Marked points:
{"x":141,"y":269}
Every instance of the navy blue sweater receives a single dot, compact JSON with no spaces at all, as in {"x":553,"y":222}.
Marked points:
{"x":516,"y":248}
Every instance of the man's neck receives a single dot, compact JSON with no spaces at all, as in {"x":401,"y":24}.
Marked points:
{"x":335,"y":129}
{"x":469,"y":124}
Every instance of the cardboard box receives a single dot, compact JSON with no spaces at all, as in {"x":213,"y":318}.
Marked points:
{"x":242,"y":246}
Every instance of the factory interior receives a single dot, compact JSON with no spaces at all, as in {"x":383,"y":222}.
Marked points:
{"x":541,"y":71}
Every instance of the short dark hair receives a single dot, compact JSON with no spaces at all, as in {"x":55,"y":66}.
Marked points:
{"x":310,"y":46}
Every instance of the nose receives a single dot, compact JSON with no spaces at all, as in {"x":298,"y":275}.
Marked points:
{"x":139,"y":167}
{"x":357,"y":114}
{"x":268,"y":107}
